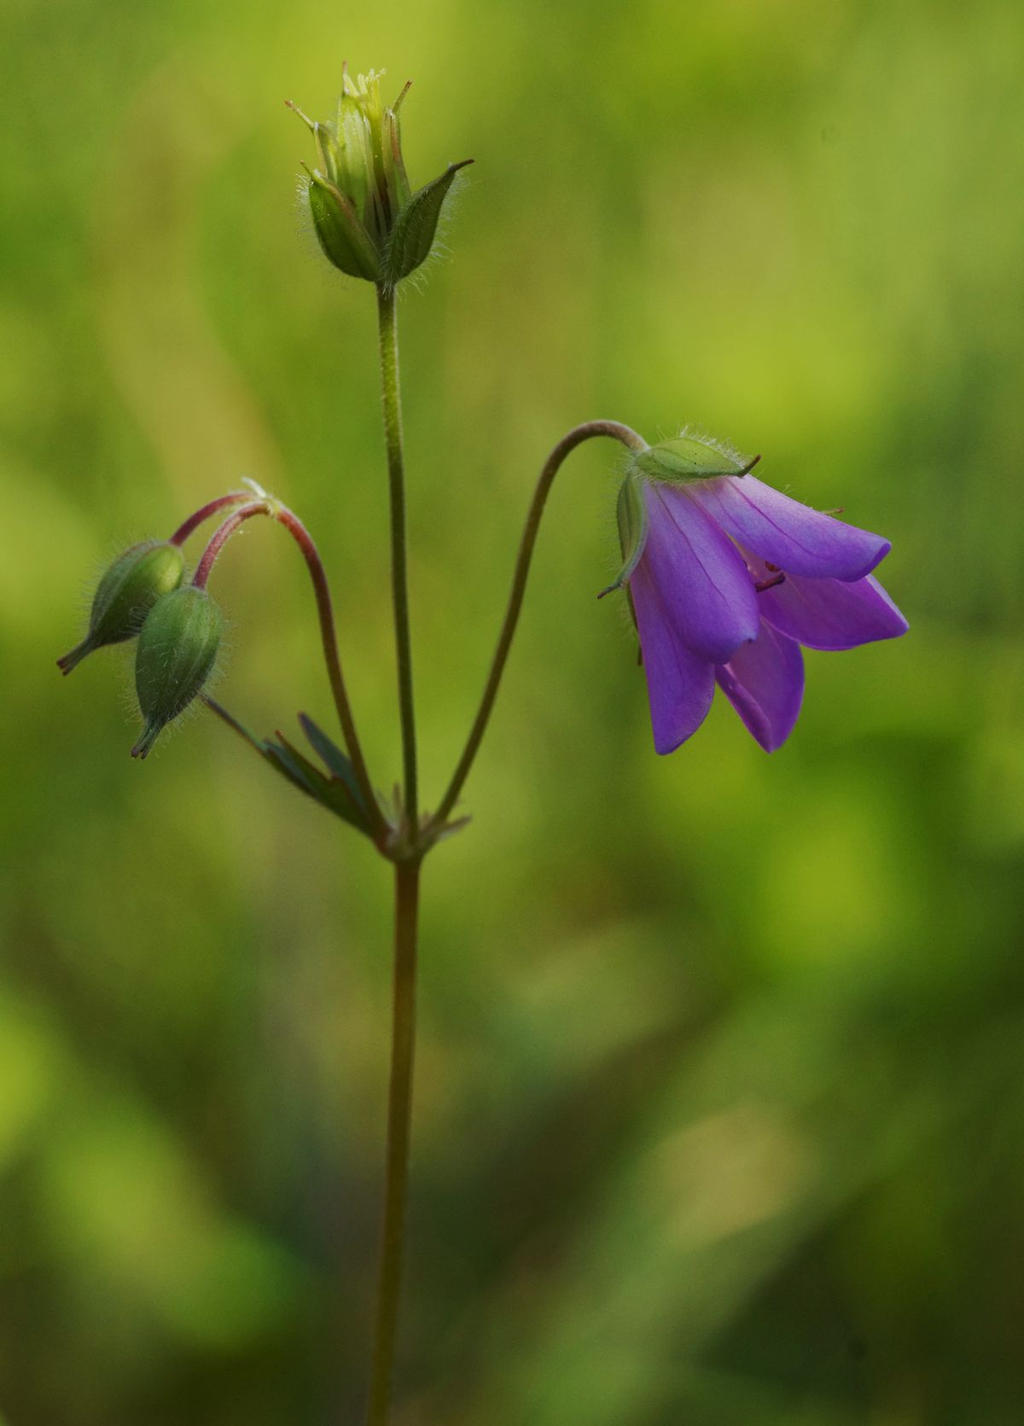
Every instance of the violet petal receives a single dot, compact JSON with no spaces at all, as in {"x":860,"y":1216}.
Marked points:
{"x":832,"y":613}
{"x":764,"y":681}
{"x":705,"y":588}
{"x":680,"y":684}
{"x":793,"y":536}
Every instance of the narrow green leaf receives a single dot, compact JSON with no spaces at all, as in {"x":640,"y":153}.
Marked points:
{"x":330,"y":792}
{"x":291,"y":768}
{"x":334,"y":759}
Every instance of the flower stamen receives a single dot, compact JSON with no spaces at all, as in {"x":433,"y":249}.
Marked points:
{"x":760,"y":585}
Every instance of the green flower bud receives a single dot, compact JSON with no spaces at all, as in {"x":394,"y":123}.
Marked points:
{"x":125,"y":595}
{"x":688,"y":458}
{"x":368,"y":221}
{"x":176,"y":653}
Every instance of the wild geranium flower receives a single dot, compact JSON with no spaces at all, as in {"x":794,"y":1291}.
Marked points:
{"x":727,"y":578}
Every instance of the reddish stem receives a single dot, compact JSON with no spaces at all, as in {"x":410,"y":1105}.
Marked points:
{"x":328,"y":632}
{"x":204,"y":512}
{"x":220,"y":537}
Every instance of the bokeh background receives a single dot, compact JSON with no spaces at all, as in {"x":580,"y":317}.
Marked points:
{"x":721,"y":1075}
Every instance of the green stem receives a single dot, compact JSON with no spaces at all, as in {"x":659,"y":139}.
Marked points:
{"x":575,"y":437}
{"x":403,"y":1031}
{"x":392,"y":401}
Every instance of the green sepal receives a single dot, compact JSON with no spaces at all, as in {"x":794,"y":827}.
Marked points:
{"x":631,"y":512}
{"x":344,"y":240}
{"x":353,"y":172}
{"x":327,"y":147}
{"x":394,"y":165}
{"x":685,"y":459}
{"x":416,"y":227}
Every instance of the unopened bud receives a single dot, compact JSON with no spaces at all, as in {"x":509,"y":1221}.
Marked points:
{"x":175,"y":656}
{"x":126,"y":593}
{"x":369,"y":222}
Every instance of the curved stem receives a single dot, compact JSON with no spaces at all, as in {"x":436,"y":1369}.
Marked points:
{"x":403,"y":1030}
{"x":392,"y":403}
{"x":204,"y":512}
{"x":568,"y":443}
{"x":329,"y":639}
{"x":220,"y":537}
{"x":328,"y":634}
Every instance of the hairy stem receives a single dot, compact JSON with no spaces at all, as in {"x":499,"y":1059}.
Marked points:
{"x":403,"y":1031}
{"x":568,"y":443}
{"x":392,"y":403}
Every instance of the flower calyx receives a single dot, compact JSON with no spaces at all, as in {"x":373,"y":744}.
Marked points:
{"x":631,"y":514}
{"x":680,"y":461}
{"x":688,"y":458}
{"x":369,"y":222}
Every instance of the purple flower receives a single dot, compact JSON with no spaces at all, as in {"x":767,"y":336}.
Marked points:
{"x":728,"y":578}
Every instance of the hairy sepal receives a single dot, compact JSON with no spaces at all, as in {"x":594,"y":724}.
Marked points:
{"x":416,"y":227}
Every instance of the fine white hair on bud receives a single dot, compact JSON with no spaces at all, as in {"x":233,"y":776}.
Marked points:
{"x":128,"y":589}
{"x":176,"y":652}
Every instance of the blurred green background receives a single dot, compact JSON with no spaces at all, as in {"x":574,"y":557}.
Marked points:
{"x":721,"y":1074}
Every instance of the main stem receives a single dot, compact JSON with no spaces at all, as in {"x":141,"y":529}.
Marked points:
{"x":391,"y":396}
{"x":403,"y":1034}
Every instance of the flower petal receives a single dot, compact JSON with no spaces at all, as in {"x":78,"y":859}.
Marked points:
{"x":832,"y":613}
{"x":704,"y":585}
{"x":793,"y":536}
{"x":764,"y":682}
{"x":680,"y":684}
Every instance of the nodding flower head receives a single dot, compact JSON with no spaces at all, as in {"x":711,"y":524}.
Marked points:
{"x":125,"y":595}
{"x":177,"y":649}
{"x":369,"y":222}
{"x":727,"y":578}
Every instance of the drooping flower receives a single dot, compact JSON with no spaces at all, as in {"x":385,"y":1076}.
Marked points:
{"x":727,"y":577}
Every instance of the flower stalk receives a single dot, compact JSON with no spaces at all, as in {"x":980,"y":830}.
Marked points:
{"x":587,"y":431}
{"x":391,"y":400}
{"x":204,"y":513}
{"x":267,"y":505}
{"x":396,"y":1187}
